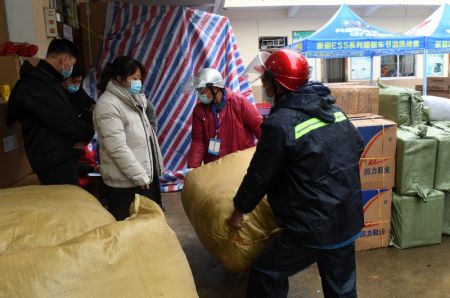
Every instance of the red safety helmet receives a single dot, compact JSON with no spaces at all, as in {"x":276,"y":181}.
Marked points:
{"x":289,"y":68}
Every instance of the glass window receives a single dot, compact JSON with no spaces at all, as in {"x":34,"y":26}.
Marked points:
{"x":333,"y":70}
{"x":407,"y":65}
{"x":398,"y":66}
{"x":360,"y":68}
{"x":435,"y":65}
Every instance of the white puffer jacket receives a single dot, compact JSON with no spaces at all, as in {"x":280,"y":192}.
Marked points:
{"x":127,"y":142}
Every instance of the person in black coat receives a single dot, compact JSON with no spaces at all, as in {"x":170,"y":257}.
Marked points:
{"x":50,"y":126}
{"x":307,"y":162}
{"x":81,"y":102}
{"x":83,"y":106}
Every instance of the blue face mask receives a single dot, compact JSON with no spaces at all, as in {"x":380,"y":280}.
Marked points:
{"x":136,"y":86}
{"x":204,"y":99}
{"x":67,"y":73}
{"x":72,"y":88}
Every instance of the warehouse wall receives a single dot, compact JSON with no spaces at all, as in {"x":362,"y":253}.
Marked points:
{"x":25,"y":22}
{"x":249,"y":25}
{"x":41,"y":39}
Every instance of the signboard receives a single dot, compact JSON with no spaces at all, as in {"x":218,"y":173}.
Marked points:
{"x":299,"y":35}
{"x":51,"y":29}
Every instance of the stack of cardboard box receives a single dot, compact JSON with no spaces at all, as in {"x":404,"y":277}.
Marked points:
{"x":437,"y":86}
{"x":377,"y":172}
{"x":355,"y":99}
{"x":15,"y":168}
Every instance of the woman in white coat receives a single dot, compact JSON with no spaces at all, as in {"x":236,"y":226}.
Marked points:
{"x":130,"y":156}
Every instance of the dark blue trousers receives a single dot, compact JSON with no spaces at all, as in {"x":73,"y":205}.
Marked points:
{"x":286,"y":256}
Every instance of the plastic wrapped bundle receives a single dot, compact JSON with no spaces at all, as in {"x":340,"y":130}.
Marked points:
{"x":41,"y":215}
{"x":439,"y":107}
{"x":138,"y":257}
{"x":417,"y":220}
{"x":208,"y":201}
{"x":442,"y":170}
{"x":415,"y":160}
{"x":402,"y":105}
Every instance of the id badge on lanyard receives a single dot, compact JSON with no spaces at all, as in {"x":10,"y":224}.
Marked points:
{"x":214,"y":143}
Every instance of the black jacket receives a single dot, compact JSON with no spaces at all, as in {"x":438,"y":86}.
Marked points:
{"x":50,"y":126}
{"x":82,"y":105}
{"x":308,"y":168}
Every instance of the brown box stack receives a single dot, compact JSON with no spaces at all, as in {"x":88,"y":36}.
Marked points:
{"x":356,"y":99}
{"x":15,"y":169}
{"x":440,"y":93}
{"x":10,"y":68}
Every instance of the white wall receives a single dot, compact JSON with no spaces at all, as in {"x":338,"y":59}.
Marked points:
{"x":19,"y":16}
{"x":25,"y":22}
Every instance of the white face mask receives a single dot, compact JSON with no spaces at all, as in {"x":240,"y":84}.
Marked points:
{"x":204,"y":99}
{"x":266,"y":98}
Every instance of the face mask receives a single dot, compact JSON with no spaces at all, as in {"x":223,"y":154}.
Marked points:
{"x":67,"y":73}
{"x":204,"y":99}
{"x":270,"y":99}
{"x":136,"y":86}
{"x":72,"y":88}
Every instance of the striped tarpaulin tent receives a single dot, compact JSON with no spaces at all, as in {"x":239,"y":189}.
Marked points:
{"x":173,"y":43}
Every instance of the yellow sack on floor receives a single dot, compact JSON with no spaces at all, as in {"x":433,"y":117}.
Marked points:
{"x":138,"y":257}
{"x":41,"y":215}
{"x":208,"y":201}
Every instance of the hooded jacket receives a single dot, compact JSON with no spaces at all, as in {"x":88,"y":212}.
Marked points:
{"x":129,"y":152}
{"x":306,"y":161}
{"x":50,"y":126}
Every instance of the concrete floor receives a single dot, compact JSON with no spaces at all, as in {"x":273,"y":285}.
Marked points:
{"x":387,"y":272}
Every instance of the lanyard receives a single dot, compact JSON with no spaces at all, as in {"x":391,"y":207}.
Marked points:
{"x":216,"y":121}
{"x":217,"y":115}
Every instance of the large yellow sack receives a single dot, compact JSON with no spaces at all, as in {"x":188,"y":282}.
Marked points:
{"x":40,"y":215}
{"x":138,"y":257}
{"x":208,"y":201}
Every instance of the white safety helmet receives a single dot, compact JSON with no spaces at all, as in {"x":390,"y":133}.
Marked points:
{"x":208,"y":77}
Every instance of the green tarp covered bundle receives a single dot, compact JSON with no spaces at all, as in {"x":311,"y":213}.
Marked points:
{"x":442,"y":169}
{"x":402,"y":105}
{"x":446,"y":221}
{"x":417,"y":220}
{"x":441,"y":123}
{"x":415,"y":160}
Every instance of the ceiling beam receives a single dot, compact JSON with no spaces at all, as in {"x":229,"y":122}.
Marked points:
{"x":293,"y":11}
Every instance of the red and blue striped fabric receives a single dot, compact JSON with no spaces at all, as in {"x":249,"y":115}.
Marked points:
{"x":173,"y":43}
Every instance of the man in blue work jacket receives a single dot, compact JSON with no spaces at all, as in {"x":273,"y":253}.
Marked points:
{"x":307,"y":163}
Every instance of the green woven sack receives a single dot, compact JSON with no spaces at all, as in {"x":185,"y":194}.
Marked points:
{"x":441,"y":124}
{"x":415,"y":160}
{"x":402,"y":105}
{"x":442,"y":171}
{"x":446,"y":221}
{"x":417,"y":220}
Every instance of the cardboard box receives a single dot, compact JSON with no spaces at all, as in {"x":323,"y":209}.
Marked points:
{"x":438,"y":83}
{"x":10,"y":68}
{"x":363,"y":116}
{"x":356,"y":99}
{"x":441,"y":93}
{"x":377,"y":164}
{"x":377,"y":219}
{"x":13,"y":160}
